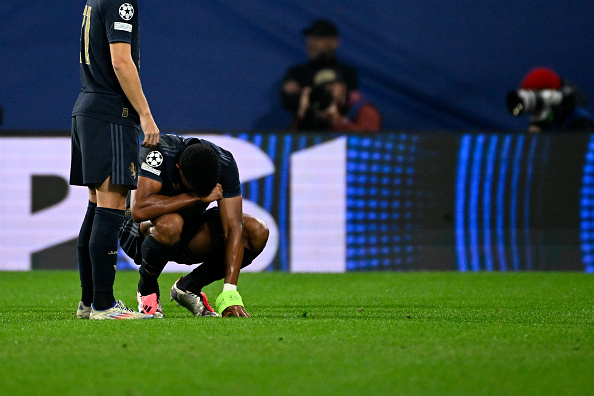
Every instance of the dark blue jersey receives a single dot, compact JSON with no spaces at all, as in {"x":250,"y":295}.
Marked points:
{"x":159,"y":164}
{"x":101,"y":96}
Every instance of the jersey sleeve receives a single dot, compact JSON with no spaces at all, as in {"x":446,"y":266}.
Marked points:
{"x":230,"y":178}
{"x":121,"y":19}
{"x":152,"y":163}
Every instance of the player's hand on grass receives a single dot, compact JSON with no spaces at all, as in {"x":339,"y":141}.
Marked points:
{"x":235,"y":311}
{"x":230,"y":305}
{"x":150,"y":130}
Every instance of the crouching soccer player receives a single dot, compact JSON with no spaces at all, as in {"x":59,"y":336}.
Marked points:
{"x":170,"y":222}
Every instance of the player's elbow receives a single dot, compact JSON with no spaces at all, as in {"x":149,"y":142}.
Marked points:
{"x":139,"y":215}
{"x":118,"y":64}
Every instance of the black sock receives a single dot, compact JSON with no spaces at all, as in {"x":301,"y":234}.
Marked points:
{"x":155,"y":256}
{"x":103,"y":248}
{"x":103,"y":300}
{"x":204,"y":274}
{"x":210,"y":271}
{"x":85,"y":268}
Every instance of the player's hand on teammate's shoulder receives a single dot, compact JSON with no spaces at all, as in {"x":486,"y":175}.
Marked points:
{"x":150,"y":130}
{"x":236,"y":311}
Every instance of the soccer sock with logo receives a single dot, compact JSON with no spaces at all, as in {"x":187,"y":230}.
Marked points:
{"x":155,"y":256}
{"x":211,"y":271}
{"x":85,"y":268}
{"x":103,"y":249}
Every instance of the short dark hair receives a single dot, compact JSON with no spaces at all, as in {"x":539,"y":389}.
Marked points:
{"x":201,"y":167}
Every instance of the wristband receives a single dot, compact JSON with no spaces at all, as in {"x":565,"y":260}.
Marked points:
{"x":227,"y":299}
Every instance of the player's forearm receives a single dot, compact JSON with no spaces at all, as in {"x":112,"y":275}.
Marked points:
{"x":154,"y":206}
{"x":129,"y":80}
{"x":233,"y":257}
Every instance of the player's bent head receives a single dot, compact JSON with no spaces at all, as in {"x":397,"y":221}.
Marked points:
{"x":200,"y":166}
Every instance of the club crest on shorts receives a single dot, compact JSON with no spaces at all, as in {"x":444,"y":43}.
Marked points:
{"x":126,"y":11}
{"x":154,"y":159}
{"x":133,"y":170}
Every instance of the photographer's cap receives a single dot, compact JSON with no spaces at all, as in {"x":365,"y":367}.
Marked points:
{"x":321,"y":28}
{"x":326,"y":76}
{"x":542,"y":78}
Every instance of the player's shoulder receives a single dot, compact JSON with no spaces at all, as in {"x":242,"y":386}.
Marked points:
{"x":133,"y":3}
{"x":170,"y":139}
{"x":167,"y":143}
{"x":209,"y":144}
{"x":170,"y":144}
{"x":125,"y":9}
{"x":224,"y":155}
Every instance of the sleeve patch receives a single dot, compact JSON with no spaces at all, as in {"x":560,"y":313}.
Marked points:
{"x":122,"y":26}
{"x":149,"y":168}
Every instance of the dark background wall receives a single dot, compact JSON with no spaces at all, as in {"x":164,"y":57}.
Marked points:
{"x":218,"y":65}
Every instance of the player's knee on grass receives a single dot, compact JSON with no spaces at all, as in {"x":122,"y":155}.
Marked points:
{"x":167,"y":229}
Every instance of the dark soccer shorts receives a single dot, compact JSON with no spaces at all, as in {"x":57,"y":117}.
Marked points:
{"x":101,"y":148}
{"x":131,"y":240}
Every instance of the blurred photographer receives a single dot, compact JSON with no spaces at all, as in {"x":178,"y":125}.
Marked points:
{"x":328,"y":105}
{"x":321,"y":44}
{"x":552,"y":103}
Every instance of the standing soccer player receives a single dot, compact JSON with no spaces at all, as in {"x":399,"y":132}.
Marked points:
{"x":105,"y":126}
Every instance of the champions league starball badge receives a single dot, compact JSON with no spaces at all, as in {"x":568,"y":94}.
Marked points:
{"x":154,"y":159}
{"x":126,"y":11}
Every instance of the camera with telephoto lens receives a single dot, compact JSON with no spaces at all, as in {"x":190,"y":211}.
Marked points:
{"x":320,"y":98}
{"x":535,"y":101}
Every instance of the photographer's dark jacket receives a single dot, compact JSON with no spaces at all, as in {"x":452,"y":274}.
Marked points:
{"x":304,"y":73}
{"x":361,"y":116}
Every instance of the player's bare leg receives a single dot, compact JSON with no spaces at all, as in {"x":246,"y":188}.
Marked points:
{"x":157,"y":250}
{"x":207,"y":246}
{"x":209,"y":239}
{"x":103,"y":250}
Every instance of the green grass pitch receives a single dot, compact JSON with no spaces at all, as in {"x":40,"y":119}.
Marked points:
{"x":438,"y":333}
